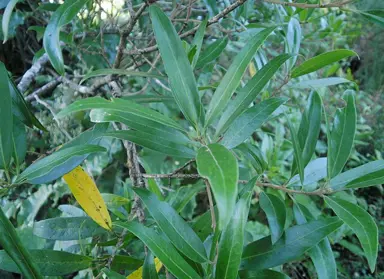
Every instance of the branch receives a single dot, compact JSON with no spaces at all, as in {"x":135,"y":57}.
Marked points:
{"x":31,"y":74}
{"x":310,"y":6}
{"x":42,"y":90}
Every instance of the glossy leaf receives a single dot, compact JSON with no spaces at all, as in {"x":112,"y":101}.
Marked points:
{"x":56,"y":165}
{"x":263,"y":274}
{"x":138,"y":274}
{"x":232,"y":77}
{"x":342,"y":136}
{"x":120,"y":72}
{"x":51,"y":41}
{"x":149,"y":267}
{"x":220,"y":167}
{"x":67,"y":228}
{"x":261,"y":254}
{"x":177,"y":67}
{"x":249,"y":92}
{"x":198,"y":41}
{"x":361,"y":223}
{"x":274,"y":208}
{"x":174,"y":227}
{"x":158,"y":144}
{"x":162,"y":249}
{"x":15,"y":251}
{"x":249,"y":121}
{"x":232,"y":240}
{"x":88,"y":196}
{"x":321,"y":61}
{"x":366,"y":175}
{"x":293,"y":42}
{"x":50,"y":262}
{"x":6,"y":122}
{"x":212,"y":52}
{"x":7,"y":17}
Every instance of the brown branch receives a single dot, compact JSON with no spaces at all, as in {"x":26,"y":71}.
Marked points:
{"x":310,"y":6}
{"x":31,"y":74}
{"x":42,"y":90}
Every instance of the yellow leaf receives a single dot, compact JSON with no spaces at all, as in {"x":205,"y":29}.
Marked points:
{"x":88,"y":196}
{"x":138,"y":274}
{"x":252,"y":69}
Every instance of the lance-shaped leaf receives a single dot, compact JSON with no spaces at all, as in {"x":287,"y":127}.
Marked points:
{"x":19,"y":142}
{"x":158,"y":144}
{"x":51,"y":41}
{"x":50,"y":262}
{"x":366,"y":175}
{"x":274,"y":208}
{"x":361,"y":223}
{"x":88,"y":196}
{"x":15,"y":251}
{"x":212,"y":52}
{"x":198,"y":41}
{"x":298,"y":159}
{"x":248,"y":122}
{"x":309,"y":129}
{"x":375,"y":16}
{"x":342,"y":136}
{"x":321,"y":61}
{"x":249,"y":92}
{"x":126,"y":262}
{"x":220,"y":167}
{"x":138,"y":274}
{"x":6,"y":122}
{"x":56,"y":165}
{"x":120,"y":72}
{"x":232,"y":77}
{"x":232,"y":241}
{"x":7,"y":17}
{"x":293,"y":40}
{"x":149,"y":267}
{"x":315,"y":171}
{"x":263,"y":274}
{"x":318,"y":83}
{"x":177,"y":67}
{"x":161,"y":247}
{"x":67,"y":228}
{"x":261,"y":254}
{"x":174,"y":227}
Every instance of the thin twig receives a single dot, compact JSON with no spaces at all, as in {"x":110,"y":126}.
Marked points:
{"x":310,"y":6}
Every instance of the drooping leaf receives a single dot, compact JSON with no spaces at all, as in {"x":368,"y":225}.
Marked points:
{"x":321,"y":61}
{"x":19,"y":142}
{"x":366,"y":175}
{"x":88,"y":196}
{"x":249,"y":92}
{"x":249,"y":121}
{"x":261,"y":254}
{"x":161,"y":247}
{"x":56,"y":165}
{"x":177,"y":67}
{"x":174,"y":227}
{"x":51,"y":41}
{"x":138,"y":274}
{"x":149,"y":267}
{"x":212,"y":52}
{"x":220,"y":167}
{"x":50,"y":262}
{"x":361,"y":223}
{"x":7,"y":17}
{"x":263,"y":274}
{"x":293,"y":40}
{"x":198,"y":41}
{"x":298,"y":158}
{"x":67,"y":228}
{"x":274,"y":208}
{"x":14,"y":250}
{"x":342,"y":136}
{"x":232,"y":77}
{"x":232,"y":241}
{"x":120,"y":72}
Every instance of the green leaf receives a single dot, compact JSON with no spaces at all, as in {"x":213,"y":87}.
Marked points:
{"x":15,"y":251}
{"x":261,"y":254}
{"x":220,"y":167}
{"x":56,"y":165}
{"x":315,"y":171}
{"x":67,"y":228}
{"x":19,"y":140}
{"x":6,"y":122}
{"x":297,"y":151}
{"x":249,"y":92}
{"x":361,"y":223}
{"x":174,"y":227}
{"x":158,"y":144}
{"x":366,"y":175}
{"x":375,"y":16}
{"x":7,"y":17}
{"x":121,"y":262}
{"x":198,"y":41}
{"x":321,"y":61}
{"x":51,"y":41}
{"x":202,"y":225}
{"x":322,"y":82}
{"x":255,"y":156}
{"x":232,"y":77}
{"x":232,"y":241}
{"x":274,"y":208}
{"x":309,"y":129}
{"x":342,"y":136}
{"x":212,"y":52}
{"x":50,"y":262}
{"x":263,"y":274}
{"x":112,"y":274}
{"x":249,"y":121}
{"x":293,"y":40}
{"x":179,"y":199}
{"x":177,"y":67}
{"x":161,"y":248}
{"x":149,"y":267}
{"x":121,"y":72}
